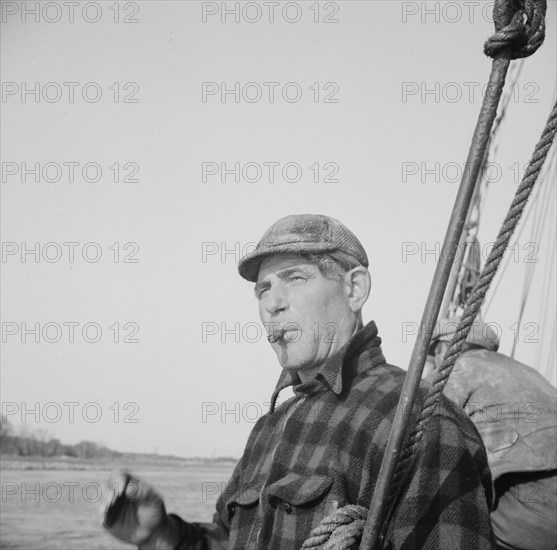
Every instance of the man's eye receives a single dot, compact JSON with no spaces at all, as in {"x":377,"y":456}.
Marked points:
{"x":296,"y":278}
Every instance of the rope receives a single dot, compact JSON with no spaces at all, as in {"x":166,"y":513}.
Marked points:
{"x":478,"y":294}
{"x":519,"y":25}
{"x":531,"y":213}
{"x":341,"y":530}
{"x":535,"y":237}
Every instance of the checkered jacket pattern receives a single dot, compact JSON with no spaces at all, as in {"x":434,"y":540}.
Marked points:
{"x":322,"y":449}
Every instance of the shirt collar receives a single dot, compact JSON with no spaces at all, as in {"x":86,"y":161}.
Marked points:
{"x":332,"y":371}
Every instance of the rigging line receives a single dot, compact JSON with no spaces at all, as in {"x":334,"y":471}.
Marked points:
{"x":471,"y":229}
{"x":521,"y":227}
{"x":537,"y":201}
{"x":458,"y":270}
{"x":535,"y":234}
{"x":537,"y":238}
{"x":545,"y":203}
{"x":508,"y":257}
{"x":551,"y":355}
{"x":547,"y":277}
{"x":550,"y":268}
{"x":505,"y":101}
{"x":541,"y":203}
{"x":516,"y":69}
{"x":481,"y":194}
{"x":492,"y":146}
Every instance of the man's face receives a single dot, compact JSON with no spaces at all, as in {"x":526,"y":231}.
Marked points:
{"x":313,"y":308}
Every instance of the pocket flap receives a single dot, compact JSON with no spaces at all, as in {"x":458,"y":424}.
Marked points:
{"x":246,"y":496}
{"x":296,"y":489}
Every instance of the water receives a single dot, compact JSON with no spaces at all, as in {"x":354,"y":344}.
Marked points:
{"x":55,"y":510}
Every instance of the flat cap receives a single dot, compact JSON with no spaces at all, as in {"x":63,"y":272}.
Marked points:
{"x":299,"y":234}
{"x":481,"y":334}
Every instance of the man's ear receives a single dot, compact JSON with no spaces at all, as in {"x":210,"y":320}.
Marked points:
{"x":358,"y":284}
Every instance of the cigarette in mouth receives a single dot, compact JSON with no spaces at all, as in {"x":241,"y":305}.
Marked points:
{"x":276,"y":335}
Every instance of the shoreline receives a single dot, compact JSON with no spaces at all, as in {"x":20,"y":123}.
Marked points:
{"x":8,"y":462}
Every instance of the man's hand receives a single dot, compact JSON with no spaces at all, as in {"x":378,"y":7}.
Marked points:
{"x":134,"y":512}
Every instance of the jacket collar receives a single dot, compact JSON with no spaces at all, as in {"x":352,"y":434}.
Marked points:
{"x":333,"y":373}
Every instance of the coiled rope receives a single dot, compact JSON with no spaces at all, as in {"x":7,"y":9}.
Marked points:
{"x":340,"y":530}
{"x":520,"y":31}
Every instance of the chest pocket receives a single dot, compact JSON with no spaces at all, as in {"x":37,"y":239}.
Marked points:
{"x":246,"y":498}
{"x":297,"y":494}
{"x":290,"y":507}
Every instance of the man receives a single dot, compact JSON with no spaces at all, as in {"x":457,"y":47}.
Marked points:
{"x":322,"y":448}
{"x":515,"y":410}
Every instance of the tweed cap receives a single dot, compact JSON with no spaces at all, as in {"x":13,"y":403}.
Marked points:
{"x":299,"y":234}
{"x":481,"y":334}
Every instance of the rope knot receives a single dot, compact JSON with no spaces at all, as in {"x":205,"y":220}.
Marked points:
{"x":519,"y":25}
{"x":341,"y":530}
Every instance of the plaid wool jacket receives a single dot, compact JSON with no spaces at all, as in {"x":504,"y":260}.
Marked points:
{"x":323,"y":448}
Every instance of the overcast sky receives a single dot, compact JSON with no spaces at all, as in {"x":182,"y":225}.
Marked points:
{"x":169,"y":135}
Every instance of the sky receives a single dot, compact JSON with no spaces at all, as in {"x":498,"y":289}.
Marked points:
{"x":147,"y":145}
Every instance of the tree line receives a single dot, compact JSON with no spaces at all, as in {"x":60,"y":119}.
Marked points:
{"x":39,"y":444}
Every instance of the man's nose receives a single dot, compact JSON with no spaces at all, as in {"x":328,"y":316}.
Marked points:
{"x":275,"y":301}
